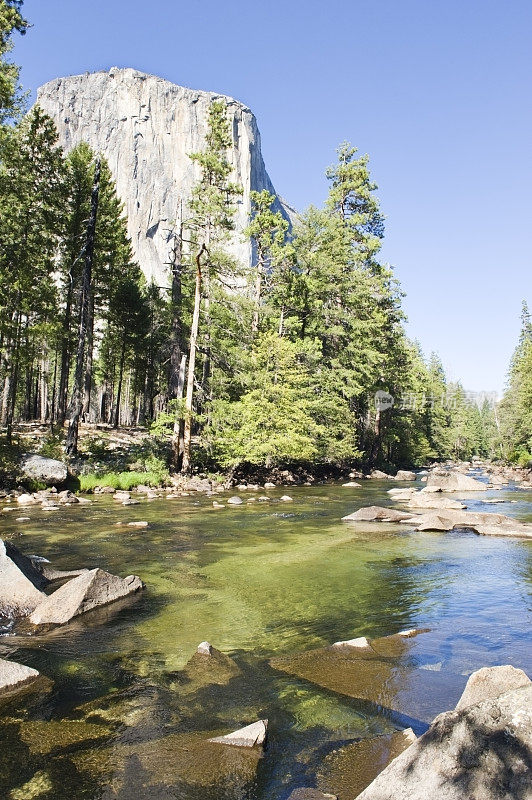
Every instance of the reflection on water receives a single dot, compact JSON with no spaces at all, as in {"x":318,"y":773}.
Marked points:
{"x":258,"y":581}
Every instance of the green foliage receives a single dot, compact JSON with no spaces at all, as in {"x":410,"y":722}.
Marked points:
{"x":285,"y":415}
{"x":11,"y":21}
{"x":212,"y":198}
{"x":515,"y":410}
{"x":52,"y":446}
{"x":121,"y":480}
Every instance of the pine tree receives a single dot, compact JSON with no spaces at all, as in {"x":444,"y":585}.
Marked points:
{"x":267,"y":230}
{"x":515,"y":410}
{"x":212,"y":210}
{"x":11,"y":21}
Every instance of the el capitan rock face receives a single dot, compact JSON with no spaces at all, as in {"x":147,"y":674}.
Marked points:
{"x":146,"y":127}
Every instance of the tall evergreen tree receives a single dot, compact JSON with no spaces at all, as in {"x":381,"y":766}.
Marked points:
{"x":212,"y":210}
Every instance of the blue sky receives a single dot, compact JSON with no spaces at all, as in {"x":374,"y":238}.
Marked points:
{"x":438,"y":93}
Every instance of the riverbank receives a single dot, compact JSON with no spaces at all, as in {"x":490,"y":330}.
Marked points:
{"x":133,"y":460}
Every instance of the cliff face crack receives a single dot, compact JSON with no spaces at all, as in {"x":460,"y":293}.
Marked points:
{"x":151,"y":168}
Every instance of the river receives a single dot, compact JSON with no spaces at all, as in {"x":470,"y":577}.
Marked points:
{"x":257,"y":581}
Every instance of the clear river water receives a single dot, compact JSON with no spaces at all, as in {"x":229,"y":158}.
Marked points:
{"x":122,"y":720}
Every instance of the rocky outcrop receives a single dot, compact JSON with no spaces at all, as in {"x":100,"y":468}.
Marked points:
{"x":490,"y":682}
{"x":92,"y":589}
{"x":146,"y":127}
{"x":15,"y":676}
{"x":20,"y":583}
{"x":483,"y":752}
{"x":44,"y":470}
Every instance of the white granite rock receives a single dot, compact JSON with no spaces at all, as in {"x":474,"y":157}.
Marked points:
{"x":146,"y":127}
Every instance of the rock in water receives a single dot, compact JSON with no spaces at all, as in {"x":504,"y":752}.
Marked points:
{"x":347,"y":771}
{"x":422,"y":500}
{"x":405,"y":475}
{"x":15,"y":676}
{"x":20,"y":583}
{"x":89,"y":590}
{"x":482,"y":752}
{"x":490,"y":682}
{"x":456,"y":482}
{"x":376,"y":513}
{"x":146,"y":127}
{"x":311,"y":794}
{"x":253,"y":735}
{"x":44,"y":470}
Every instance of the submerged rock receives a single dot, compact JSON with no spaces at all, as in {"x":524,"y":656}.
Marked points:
{"x":253,"y":735}
{"x":383,"y":673}
{"x":40,"y":785}
{"x":43,"y":737}
{"x":351,"y":485}
{"x":15,"y":676}
{"x":207,"y":667}
{"x":481,"y":752}
{"x":348,"y":770}
{"x":89,"y":590}
{"x":311,"y":794}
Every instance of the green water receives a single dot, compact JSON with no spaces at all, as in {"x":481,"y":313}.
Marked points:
{"x":256,"y":581}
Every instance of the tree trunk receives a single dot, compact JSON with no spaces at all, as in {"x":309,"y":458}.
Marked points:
{"x":86,"y":291}
{"x":176,"y":353}
{"x":116,"y":419}
{"x":88,"y":364}
{"x":178,"y":432}
{"x":65,"y":357}
{"x":187,"y":429}
{"x":13,"y":381}
{"x":258,"y":293}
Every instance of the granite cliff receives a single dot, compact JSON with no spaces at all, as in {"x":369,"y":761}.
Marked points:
{"x":146,"y":127}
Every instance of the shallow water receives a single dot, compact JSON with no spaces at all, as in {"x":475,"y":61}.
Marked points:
{"x":257,"y":581}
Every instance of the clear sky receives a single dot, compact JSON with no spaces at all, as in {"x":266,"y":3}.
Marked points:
{"x":438,"y":92}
